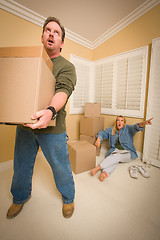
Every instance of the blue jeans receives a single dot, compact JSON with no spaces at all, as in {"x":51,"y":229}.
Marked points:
{"x":54,"y":148}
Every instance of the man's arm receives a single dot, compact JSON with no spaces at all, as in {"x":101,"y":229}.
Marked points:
{"x":44,"y":116}
{"x":58,"y":100}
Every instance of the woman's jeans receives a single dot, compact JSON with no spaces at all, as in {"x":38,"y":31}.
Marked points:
{"x":54,"y":148}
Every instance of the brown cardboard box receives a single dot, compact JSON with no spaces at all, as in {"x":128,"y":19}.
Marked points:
{"x":27,"y":84}
{"x":91,"y":140}
{"x":91,"y":126}
{"x":88,"y":138}
{"x":82,"y":156}
{"x":92,"y":110}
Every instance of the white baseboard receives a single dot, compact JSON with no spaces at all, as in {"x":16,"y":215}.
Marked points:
{"x":139,"y":155}
{"x":9,"y":164}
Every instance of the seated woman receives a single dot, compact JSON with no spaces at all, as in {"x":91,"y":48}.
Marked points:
{"x":121,"y":145}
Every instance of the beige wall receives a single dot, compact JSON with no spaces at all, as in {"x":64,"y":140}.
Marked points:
{"x":137,"y":34}
{"x":18,"y":32}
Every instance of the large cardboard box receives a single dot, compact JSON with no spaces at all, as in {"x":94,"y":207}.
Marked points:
{"x":82,"y":156}
{"x":92,"y":110}
{"x":88,"y":138}
{"x":91,"y":140}
{"x":27,"y":84}
{"x":91,"y":126}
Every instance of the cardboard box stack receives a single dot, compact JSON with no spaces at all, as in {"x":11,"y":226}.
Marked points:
{"x":82,"y":156}
{"x":91,"y":123}
{"x":27,"y":84}
{"x":83,"y":153}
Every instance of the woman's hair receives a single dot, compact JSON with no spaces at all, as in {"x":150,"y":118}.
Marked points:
{"x":53,"y":19}
{"x":115,"y":125}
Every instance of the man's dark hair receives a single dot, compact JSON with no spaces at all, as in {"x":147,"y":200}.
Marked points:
{"x":53,"y":19}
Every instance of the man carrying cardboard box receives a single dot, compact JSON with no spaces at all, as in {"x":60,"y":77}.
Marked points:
{"x":52,"y":140}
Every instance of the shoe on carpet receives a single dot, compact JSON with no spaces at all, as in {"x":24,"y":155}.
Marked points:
{"x":14,"y":210}
{"x":133,"y":172}
{"x":143,"y":172}
{"x":68,"y":210}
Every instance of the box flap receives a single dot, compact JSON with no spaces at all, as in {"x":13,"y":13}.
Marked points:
{"x":26,"y":52}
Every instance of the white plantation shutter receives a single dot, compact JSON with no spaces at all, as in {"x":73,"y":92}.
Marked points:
{"x":82,"y":91}
{"x":118,"y":83}
{"x":131,"y":71}
{"x":134,"y":83}
{"x":79,"y":85}
{"x":129,"y":83}
{"x":107,"y":85}
{"x":151,"y":150}
{"x":104,"y":74}
{"x":98,"y":83}
{"x":121,"y":83}
{"x":86,"y":83}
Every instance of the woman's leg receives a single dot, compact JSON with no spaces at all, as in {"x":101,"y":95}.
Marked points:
{"x":125,"y":157}
{"x":111,"y":162}
{"x":107,"y":166}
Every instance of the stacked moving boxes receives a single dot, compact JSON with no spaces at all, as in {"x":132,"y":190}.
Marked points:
{"x":83,"y":153}
{"x":91,"y":123}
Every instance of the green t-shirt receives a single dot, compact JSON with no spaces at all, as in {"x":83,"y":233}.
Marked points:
{"x":118,"y":145}
{"x":65,"y":75}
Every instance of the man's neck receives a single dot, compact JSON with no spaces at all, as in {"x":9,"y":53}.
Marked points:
{"x":51,"y":55}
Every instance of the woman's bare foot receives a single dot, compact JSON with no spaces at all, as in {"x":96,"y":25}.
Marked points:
{"x":103,"y":175}
{"x":95,"y":170}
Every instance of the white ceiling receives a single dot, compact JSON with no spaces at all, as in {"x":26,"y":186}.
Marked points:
{"x":87,"y":19}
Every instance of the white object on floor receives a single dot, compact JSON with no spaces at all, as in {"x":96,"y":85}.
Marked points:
{"x":143,"y":171}
{"x":133,"y":171}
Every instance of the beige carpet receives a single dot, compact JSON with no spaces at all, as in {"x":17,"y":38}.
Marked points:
{"x":119,"y":208}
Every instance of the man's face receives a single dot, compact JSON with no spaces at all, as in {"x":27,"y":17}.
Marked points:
{"x":52,"y":39}
{"x":120,"y":123}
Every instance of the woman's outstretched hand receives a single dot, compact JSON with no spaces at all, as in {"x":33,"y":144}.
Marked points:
{"x":147,"y":122}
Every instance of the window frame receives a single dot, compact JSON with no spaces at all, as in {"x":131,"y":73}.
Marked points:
{"x":94,"y":79}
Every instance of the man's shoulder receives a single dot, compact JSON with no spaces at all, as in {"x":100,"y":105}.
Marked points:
{"x":63,"y":61}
